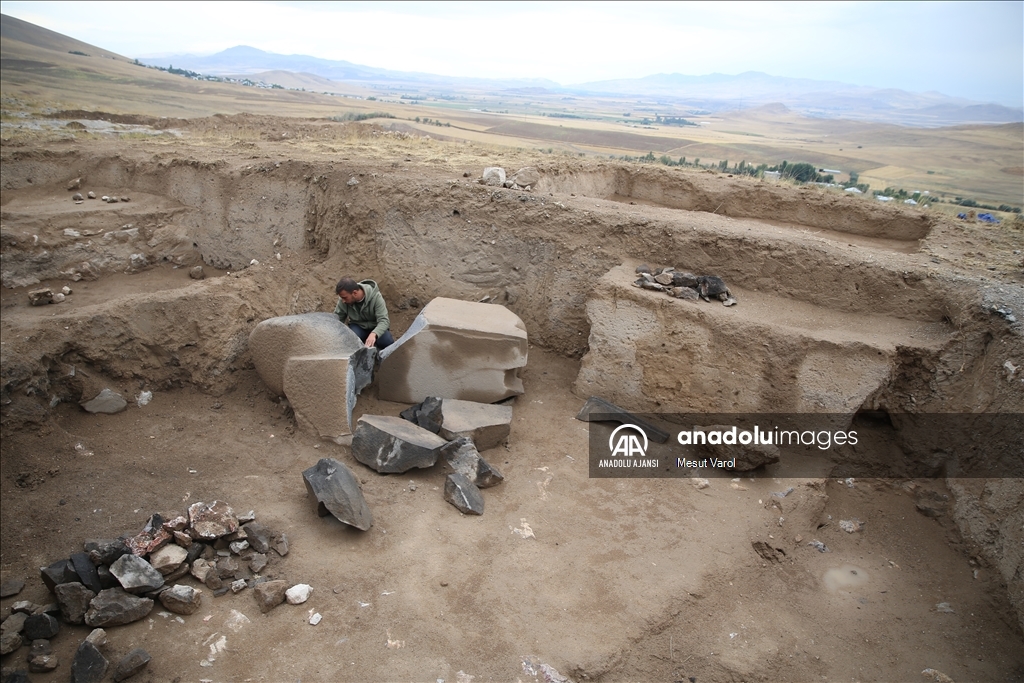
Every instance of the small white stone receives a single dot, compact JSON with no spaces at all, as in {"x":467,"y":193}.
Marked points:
{"x":315,"y":619}
{"x":298,"y":594}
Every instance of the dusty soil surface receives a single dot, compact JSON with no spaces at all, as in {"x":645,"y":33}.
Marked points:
{"x":599,"y":579}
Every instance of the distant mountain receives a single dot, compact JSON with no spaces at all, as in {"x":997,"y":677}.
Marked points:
{"x":828,"y":99}
{"x":247,"y":60}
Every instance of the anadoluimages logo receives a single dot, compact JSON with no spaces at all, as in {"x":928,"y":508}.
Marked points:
{"x":627,"y":445}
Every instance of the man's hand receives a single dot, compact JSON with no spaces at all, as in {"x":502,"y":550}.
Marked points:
{"x":371,"y":339}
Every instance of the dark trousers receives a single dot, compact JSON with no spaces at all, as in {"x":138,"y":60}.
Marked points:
{"x":383,"y":341}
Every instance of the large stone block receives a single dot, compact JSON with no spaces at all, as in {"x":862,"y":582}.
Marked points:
{"x":393,"y":445}
{"x":488,"y":425}
{"x":322,"y":389}
{"x":456,"y":349}
{"x":275,"y":340}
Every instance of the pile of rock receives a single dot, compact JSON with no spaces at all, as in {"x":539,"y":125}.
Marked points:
{"x":451,"y":430}
{"x":117,"y":581}
{"x":524,"y":179}
{"x":46,"y":295}
{"x":684,"y":285}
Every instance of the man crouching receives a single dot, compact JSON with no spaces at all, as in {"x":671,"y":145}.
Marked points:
{"x":362,"y":308}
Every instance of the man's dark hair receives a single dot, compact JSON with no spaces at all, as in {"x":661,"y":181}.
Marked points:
{"x":346,"y":284}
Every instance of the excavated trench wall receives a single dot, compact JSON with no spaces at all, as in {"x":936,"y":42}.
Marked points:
{"x":542,"y":256}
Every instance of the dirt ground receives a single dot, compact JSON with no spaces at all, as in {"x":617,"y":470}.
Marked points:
{"x":598,"y":579}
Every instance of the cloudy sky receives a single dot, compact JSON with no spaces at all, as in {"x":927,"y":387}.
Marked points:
{"x":973,"y":50}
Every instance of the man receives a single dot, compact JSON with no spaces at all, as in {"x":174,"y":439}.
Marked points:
{"x":362,"y":308}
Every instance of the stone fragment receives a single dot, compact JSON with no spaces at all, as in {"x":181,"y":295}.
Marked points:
{"x":181,"y":599}
{"x":212,"y":520}
{"x":269,"y":594}
{"x":227,"y":567}
{"x":77,"y":197}
{"x":40,"y":297}
{"x":61,"y":571}
{"x":10,"y":641}
{"x":201,"y":569}
{"x":393,"y":445}
{"x":107,"y":580}
{"x":177,"y":573}
{"x":131,"y":664}
{"x":89,"y":665}
{"x":135,"y":574}
{"x":249,"y":516}
{"x":653,"y":286}
{"x":106,"y":401}
{"x":74,"y":184}
{"x":74,"y":599}
{"x":197,"y":273}
{"x":25,"y":607}
{"x":488,"y":425}
{"x":526,"y":176}
{"x":182,"y":539}
{"x":664,"y":279}
{"x":86,"y":571}
{"x":456,"y":349}
{"x":353,"y":181}
{"x":43,"y":626}
{"x":116,"y":607}
{"x":337,"y":492}
{"x":463,"y":457}
{"x":106,"y":551}
{"x":41,"y":646}
{"x":168,"y":559}
{"x":148,"y":541}
{"x":237,"y":547}
{"x":238,"y":585}
{"x":463,"y":494}
{"x":598,"y":409}
{"x":257,"y":562}
{"x":176,"y":523}
{"x":97,"y":637}
{"x":11,"y":587}
{"x":745,"y":457}
{"x":258,"y":536}
{"x":685,"y":293}
{"x":494,"y":176}
{"x":41,"y":664}
{"x":684,"y":279}
{"x":298,"y":594}
{"x":91,"y":195}
{"x":213,"y":581}
{"x":14,"y":623}
{"x":426,"y":414}
{"x":280,"y":544}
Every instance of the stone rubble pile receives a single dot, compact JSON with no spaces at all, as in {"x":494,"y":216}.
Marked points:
{"x":683,"y":285}
{"x":524,"y":179}
{"x":112,"y":582}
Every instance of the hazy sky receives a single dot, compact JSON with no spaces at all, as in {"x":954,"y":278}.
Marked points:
{"x":971,"y":49}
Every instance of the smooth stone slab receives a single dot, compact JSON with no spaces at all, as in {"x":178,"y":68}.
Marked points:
{"x":337,"y":492}
{"x":456,"y":349}
{"x":488,"y":425}
{"x":463,"y":494}
{"x":392,"y":445}
{"x":275,"y":340}
{"x":322,"y":389}
{"x":11,"y":587}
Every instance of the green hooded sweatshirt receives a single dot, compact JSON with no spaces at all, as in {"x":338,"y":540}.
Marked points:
{"x":370,"y":314}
